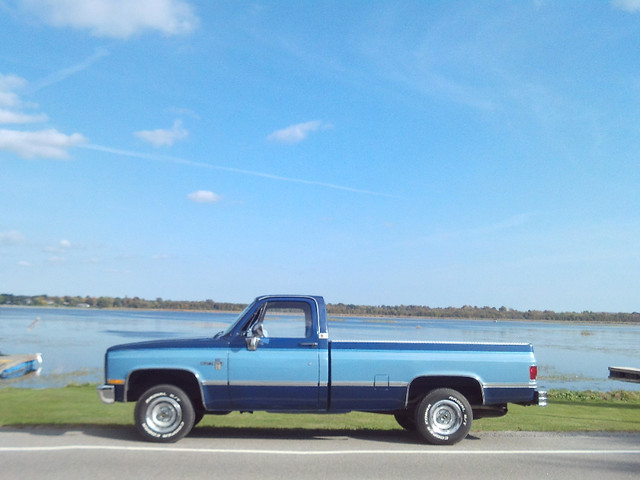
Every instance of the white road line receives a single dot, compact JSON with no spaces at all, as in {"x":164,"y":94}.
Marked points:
{"x":63,"y":448}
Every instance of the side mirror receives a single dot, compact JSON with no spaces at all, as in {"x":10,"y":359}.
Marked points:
{"x":252,"y":343}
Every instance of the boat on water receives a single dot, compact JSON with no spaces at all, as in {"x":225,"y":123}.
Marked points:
{"x":626,"y":374}
{"x":15,"y":366}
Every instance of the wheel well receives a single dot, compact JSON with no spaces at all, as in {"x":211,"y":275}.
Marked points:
{"x":142,"y":380}
{"x":469,"y":387}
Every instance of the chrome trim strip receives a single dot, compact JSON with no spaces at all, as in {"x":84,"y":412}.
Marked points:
{"x":274,"y":383}
{"x":247,"y":383}
{"x":398,"y":384}
{"x":428,"y":342}
{"x":350,"y":383}
{"x":215,"y":383}
{"x":508,"y":385}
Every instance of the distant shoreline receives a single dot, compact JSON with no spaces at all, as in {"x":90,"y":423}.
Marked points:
{"x":596,"y":318}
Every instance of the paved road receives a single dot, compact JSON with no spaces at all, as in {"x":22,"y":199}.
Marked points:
{"x":116,"y":453}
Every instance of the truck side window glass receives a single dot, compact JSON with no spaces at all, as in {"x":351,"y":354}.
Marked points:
{"x":288,"y":320}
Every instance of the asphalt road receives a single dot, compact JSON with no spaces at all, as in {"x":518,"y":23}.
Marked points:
{"x":117,"y":453}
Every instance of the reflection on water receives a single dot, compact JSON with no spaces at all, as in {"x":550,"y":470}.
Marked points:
{"x":73,"y":341}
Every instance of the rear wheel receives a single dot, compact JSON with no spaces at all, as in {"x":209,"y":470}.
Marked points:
{"x":164,"y":413}
{"x":443,"y":417}
{"x":406,"y":420}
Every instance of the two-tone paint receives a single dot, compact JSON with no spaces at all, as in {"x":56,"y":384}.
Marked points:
{"x":315,"y":374}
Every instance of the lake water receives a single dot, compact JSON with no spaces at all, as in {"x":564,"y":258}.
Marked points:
{"x":73,"y":341}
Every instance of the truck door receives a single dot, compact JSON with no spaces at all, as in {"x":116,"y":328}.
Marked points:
{"x":274,"y":361}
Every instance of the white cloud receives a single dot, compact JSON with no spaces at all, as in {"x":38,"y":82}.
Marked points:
{"x":631,"y":6}
{"x":23,"y":263}
{"x":117,"y":18}
{"x":12,"y":237}
{"x":43,"y":144}
{"x":47,"y":143}
{"x":10,"y":103}
{"x":8,"y":99}
{"x":11,"y":82}
{"x":7,"y":116}
{"x":164,"y":138}
{"x":61,"y":247}
{"x":8,"y":85}
{"x":297,"y":133}
{"x":204,"y":196}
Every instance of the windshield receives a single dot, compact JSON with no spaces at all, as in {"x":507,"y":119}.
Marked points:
{"x":233,"y":324}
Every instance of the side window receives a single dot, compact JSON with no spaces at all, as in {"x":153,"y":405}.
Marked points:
{"x":288,"y":320}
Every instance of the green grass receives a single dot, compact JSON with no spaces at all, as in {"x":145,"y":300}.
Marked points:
{"x":567,"y":411}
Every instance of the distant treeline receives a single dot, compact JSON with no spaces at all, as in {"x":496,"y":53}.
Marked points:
{"x":488,"y":313}
{"x":465,"y":312}
{"x":117,"y":302}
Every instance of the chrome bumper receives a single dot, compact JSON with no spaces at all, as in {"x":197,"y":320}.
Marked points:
{"x":541,"y":398}
{"x":107,"y":393}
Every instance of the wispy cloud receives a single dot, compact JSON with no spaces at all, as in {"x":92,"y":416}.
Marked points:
{"x":10,"y":238}
{"x":204,"y":196}
{"x":299,"y":132}
{"x":182,"y":161}
{"x":65,"y":73}
{"x":56,"y":260}
{"x":60,"y":247}
{"x":117,"y":18}
{"x":632,"y":6}
{"x":164,"y":138}
{"x":8,"y":85}
{"x":7,"y":116}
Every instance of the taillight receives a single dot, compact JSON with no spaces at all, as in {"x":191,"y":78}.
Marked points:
{"x":533,"y":372}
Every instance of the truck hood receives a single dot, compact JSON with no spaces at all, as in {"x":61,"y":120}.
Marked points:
{"x":171,"y":343}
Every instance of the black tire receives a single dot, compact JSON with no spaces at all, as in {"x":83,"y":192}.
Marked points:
{"x":443,"y":417}
{"x":164,"y":413}
{"x":199,"y":415}
{"x":406,"y":420}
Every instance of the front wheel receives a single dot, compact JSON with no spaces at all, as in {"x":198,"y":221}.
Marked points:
{"x":443,"y":417}
{"x":164,"y":413}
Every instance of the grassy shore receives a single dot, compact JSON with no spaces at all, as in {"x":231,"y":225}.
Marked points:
{"x":567,"y":411}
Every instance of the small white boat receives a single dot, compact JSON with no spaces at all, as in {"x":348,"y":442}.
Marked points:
{"x":15,"y":366}
{"x":626,"y":374}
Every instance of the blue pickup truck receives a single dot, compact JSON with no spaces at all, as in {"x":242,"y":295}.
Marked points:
{"x":277,"y":356}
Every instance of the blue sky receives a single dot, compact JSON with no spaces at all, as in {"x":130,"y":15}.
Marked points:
{"x":434,"y":153}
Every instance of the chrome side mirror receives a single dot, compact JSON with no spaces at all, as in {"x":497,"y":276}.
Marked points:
{"x":252,"y":343}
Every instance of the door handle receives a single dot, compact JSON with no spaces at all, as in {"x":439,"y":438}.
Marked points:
{"x":309,"y":344}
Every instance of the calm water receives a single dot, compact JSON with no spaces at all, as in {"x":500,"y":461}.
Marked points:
{"x":73,"y":341}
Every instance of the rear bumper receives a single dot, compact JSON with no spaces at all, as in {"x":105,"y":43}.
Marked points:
{"x":539,"y":399}
{"x":107,"y":393}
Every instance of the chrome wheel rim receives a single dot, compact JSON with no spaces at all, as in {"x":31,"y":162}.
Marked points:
{"x":445,"y":417}
{"x":164,"y":415}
